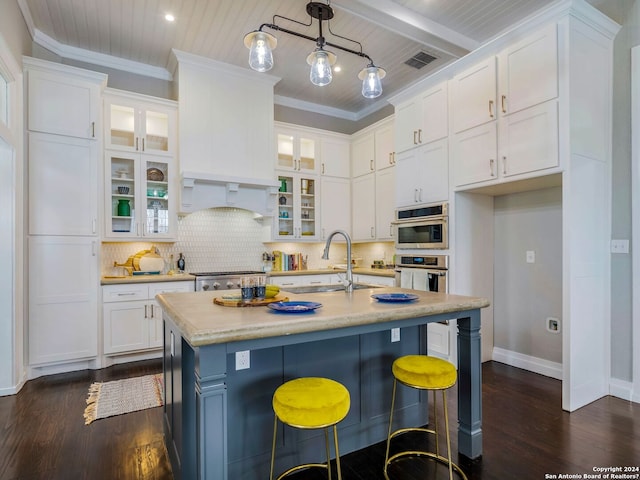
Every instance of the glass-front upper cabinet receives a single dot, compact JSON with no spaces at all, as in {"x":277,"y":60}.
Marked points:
{"x":140,"y":200}
{"x":297,"y":207}
{"x":135,"y":123}
{"x":297,"y":151}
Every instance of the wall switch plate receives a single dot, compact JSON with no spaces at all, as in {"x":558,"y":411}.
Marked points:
{"x":531,"y":256}
{"x":243,"y":360}
{"x":395,"y":335}
{"x":619,"y":246}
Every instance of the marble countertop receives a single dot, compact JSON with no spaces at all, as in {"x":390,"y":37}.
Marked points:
{"x":381,"y":272}
{"x":202,"y":322}
{"x":116,"y":280}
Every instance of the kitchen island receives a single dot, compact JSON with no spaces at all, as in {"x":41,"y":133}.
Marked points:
{"x":218,"y":418}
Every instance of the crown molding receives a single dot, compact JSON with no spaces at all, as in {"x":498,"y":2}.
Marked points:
{"x":329,"y":111}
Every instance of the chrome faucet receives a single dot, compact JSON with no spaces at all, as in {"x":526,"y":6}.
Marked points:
{"x":348,"y":287}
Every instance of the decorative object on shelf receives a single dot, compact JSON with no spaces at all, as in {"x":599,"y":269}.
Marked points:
{"x":155,"y":175}
{"x":123,"y":190}
{"x":124,"y":174}
{"x":181,"y":262}
{"x":304,"y":186}
{"x":283,"y":185}
{"x":261,"y":44}
{"x":124,"y":209}
{"x":282,"y":200}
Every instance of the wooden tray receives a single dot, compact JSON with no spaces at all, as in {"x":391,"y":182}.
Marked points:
{"x":253,"y":303}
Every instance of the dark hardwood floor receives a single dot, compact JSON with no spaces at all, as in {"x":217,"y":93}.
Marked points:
{"x":527,"y":436}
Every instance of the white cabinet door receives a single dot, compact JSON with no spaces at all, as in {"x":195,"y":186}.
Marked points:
{"x":63,"y":181}
{"x":435,"y":118}
{"x":63,"y":103}
{"x":126,"y":326}
{"x":363,"y":214}
{"x":473,"y":96}
{"x":335,"y":207}
{"x":140,"y":124}
{"x":63,"y":299}
{"x":298,"y":207}
{"x":363,"y":155}
{"x":297,"y":150}
{"x":423,"y":174}
{"x":528,"y":71}
{"x":335,"y":155}
{"x":475,"y":154}
{"x":407,"y":121}
{"x":385,"y":202}
{"x":384,"y":147}
{"x":529,"y":140}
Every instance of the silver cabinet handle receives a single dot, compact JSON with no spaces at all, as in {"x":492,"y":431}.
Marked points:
{"x":491,"y":108}
{"x":491,"y":163}
{"x":322,"y":168}
{"x":372,"y":233}
{"x":371,"y":165}
{"x":145,"y":311}
{"x":504,"y":165}
{"x":419,"y":135}
{"x":390,"y":158}
{"x":136,"y":144}
{"x":93,"y":129}
{"x":143,"y":144}
{"x":415,"y":132}
{"x":503,"y":101}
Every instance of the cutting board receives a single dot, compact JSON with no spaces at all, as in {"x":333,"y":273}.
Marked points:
{"x":237,"y":302}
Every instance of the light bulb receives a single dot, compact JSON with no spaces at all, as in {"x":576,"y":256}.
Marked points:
{"x":371,"y":77}
{"x":321,"y":62}
{"x":260,"y":46}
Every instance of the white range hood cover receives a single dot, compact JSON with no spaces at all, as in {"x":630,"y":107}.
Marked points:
{"x":200,"y":191}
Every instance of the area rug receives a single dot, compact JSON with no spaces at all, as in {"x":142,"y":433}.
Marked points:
{"x":107,"y":399}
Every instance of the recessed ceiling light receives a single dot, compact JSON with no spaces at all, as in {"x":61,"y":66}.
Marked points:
{"x":169,"y":18}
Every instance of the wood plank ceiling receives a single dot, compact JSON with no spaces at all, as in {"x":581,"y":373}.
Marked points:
{"x":390,"y":31}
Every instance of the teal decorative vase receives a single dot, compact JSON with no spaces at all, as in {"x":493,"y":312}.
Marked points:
{"x":124,"y":209}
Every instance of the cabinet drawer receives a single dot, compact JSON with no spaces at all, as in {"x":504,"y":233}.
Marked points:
{"x":169,"y":287}
{"x":124,"y":293}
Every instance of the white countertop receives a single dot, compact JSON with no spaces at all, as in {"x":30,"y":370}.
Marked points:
{"x":202,"y":322}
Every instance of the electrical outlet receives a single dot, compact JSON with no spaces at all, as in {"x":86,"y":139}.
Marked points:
{"x":243,"y":360}
{"x":553,"y":325}
{"x":395,"y":334}
{"x":619,"y":246}
{"x":531,"y":256}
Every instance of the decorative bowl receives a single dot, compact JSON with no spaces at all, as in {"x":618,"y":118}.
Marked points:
{"x":123,"y":190}
{"x":155,"y":175}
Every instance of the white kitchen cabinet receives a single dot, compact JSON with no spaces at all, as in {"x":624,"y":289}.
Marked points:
{"x":63,"y":299}
{"x":473,"y":96}
{"x":385,"y":154}
{"x":363,"y":211}
{"x":284,"y":281}
{"x":140,"y":196}
{"x":423,"y":119}
{"x":335,"y":205}
{"x":374,"y":280}
{"x":132,"y":318}
{"x":139,"y":124}
{"x":525,"y":138}
{"x":423,"y":174}
{"x":363,"y":154}
{"x":385,"y":192}
{"x":297,"y":150}
{"x":63,"y":100}
{"x":528,"y":71}
{"x":335,"y":157}
{"x":298,"y":202}
{"x":63,"y":185}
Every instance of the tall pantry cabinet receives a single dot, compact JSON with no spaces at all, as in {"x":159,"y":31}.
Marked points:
{"x":64,"y":145}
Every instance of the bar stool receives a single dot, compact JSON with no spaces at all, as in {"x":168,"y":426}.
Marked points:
{"x":425,"y":373}
{"x":310,"y":403}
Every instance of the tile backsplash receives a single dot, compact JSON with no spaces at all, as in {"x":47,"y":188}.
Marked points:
{"x":222,"y":239}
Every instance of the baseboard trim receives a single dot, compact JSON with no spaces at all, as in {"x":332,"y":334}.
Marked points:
{"x":624,"y":390}
{"x":527,"y":362}
{"x":15,"y":388}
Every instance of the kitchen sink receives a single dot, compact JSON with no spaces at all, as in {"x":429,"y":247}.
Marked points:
{"x":325,"y":288}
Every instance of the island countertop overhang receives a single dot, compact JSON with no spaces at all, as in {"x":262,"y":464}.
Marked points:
{"x":201,"y":322}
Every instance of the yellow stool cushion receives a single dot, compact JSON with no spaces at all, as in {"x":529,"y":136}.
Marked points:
{"x":311,"y":402}
{"x":423,"y":371}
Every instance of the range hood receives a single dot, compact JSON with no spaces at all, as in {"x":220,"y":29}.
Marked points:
{"x":203,"y":190}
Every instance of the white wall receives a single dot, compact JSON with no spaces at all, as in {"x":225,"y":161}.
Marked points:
{"x":525,"y":294}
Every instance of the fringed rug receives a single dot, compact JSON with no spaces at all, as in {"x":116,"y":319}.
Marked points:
{"x":107,"y":399}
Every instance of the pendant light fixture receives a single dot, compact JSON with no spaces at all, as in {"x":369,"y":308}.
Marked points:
{"x":261,"y":44}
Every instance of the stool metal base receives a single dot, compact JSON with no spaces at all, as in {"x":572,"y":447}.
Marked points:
{"x":303,"y":466}
{"x":419,"y":453}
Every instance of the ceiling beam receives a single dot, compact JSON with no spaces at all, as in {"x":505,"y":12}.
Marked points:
{"x":391,"y":16}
